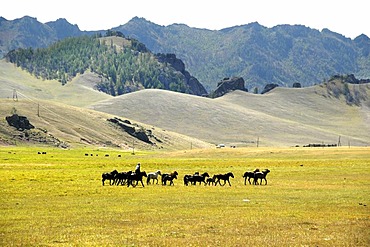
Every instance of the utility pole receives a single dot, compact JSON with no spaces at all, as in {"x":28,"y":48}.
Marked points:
{"x":38,"y":109}
{"x":15,"y":96}
{"x":339,"y":144}
{"x":258,"y":141}
{"x":133,"y":146}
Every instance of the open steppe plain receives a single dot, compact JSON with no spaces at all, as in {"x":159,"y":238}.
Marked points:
{"x":314,"y":197}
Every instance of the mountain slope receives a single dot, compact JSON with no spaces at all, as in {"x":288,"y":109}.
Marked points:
{"x":282,"y":117}
{"x":283,"y":54}
{"x":79,"y":92}
{"x":66,"y":126}
{"x":123,"y":64}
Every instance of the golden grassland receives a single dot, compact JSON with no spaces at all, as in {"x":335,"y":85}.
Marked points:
{"x":314,"y":197}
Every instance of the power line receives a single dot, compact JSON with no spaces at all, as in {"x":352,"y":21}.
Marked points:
{"x":56,"y":114}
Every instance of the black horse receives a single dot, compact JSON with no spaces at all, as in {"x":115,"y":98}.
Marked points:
{"x":111,"y":176}
{"x":169,"y":177}
{"x":134,"y":178}
{"x":196,"y":178}
{"x":211,"y":181}
{"x":121,"y":177}
{"x":249,"y":175}
{"x":261,"y":176}
{"x":224,"y":177}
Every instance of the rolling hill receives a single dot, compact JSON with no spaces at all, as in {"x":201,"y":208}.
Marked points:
{"x":282,"y":117}
{"x":63,"y":118}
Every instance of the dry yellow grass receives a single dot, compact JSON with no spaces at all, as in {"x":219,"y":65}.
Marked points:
{"x":314,"y":197}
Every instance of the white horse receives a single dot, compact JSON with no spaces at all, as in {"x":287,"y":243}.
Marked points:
{"x":154,"y":176}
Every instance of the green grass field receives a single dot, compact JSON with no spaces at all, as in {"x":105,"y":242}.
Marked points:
{"x":314,"y":197}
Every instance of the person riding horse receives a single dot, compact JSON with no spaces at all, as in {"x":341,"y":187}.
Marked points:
{"x":137,"y":169}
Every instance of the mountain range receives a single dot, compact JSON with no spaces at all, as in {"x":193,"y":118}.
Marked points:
{"x":283,"y":55}
{"x":333,"y":111}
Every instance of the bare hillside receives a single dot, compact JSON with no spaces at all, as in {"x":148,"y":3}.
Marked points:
{"x":78,"y":92}
{"x":282,"y":117}
{"x":67,"y":126}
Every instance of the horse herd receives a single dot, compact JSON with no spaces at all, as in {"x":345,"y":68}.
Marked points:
{"x":132,"y":179}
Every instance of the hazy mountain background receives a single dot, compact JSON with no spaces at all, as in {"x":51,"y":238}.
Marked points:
{"x":284,"y":54}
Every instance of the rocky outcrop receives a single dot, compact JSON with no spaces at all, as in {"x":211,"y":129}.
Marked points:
{"x":134,"y":130}
{"x":350,"y":78}
{"x":297,"y":85}
{"x":19,"y":122}
{"x":269,"y":87}
{"x":195,"y":87}
{"x":228,"y":85}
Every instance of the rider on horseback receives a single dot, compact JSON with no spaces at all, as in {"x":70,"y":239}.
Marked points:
{"x":137,"y":169}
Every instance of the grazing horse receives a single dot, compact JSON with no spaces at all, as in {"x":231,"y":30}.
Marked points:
{"x":197,"y":178}
{"x":224,"y":177}
{"x":169,"y":177}
{"x":260,"y":175}
{"x":121,"y":177}
{"x":153,"y":176}
{"x":248,"y":175}
{"x":135,"y":178}
{"x":109,"y":176}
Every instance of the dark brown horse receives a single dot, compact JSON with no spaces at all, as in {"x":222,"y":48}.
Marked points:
{"x":111,"y":176}
{"x":134,"y":178}
{"x":169,"y":177}
{"x":261,"y":176}
{"x":211,"y":181}
{"x":249,"y":175}
{"x":196,"y":178}
{"x":224,"y":177}
{"x":121,"y":178}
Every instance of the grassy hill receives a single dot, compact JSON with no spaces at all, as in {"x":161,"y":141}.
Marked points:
{"x":78,"y":92}
{"x":67,"y":126}
{"x":63,"y":116}
{"x":282,"y":117}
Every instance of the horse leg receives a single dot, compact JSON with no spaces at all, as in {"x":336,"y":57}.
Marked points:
{"x":229,"y":182}
{"x":103,"y":181}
